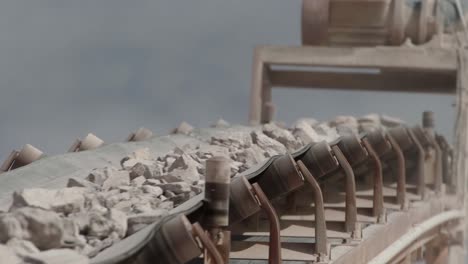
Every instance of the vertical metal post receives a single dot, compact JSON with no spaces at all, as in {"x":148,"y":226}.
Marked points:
{"x":378,"y":200}
{"x":350,"y":205}
{"x":274,"y":251}
{"x":428,"y":125}
{"x":218,"y":177}
{"x":401,"y":173}
{"x":321,"y":243}
{"x":256,"y":89}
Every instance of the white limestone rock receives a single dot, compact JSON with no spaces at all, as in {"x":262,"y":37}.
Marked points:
{"x":389,"y":121}
{"x":176,"y":187}
{"x":304,"y":131}
{"x":140,"y":221}
{"x":109,"y":178}
{"x":8,"y":256}
{"x":153,"y":190}
{"x":184,"y":128}
{"x":22,"y":247}
{"x":76,"y":182}
{"x":326,"y":133}
{"x":138,"y":181}
{"x":119,"y":221}
{"x":232,"y":139}
{"x":249,"y":157}
{"x":221,"y":123}
{"x":282,"y":135}
{"x":43,"y":228}
{"x":269,"y":145}
{"x":66,"y":200}
{"x":348,"y":121}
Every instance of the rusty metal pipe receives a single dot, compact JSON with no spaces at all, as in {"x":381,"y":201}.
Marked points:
{"x":207,"y":244}
{"x":350,"y":205}
{"x":377,"y":198}
{"x":438,"y":166}
{"x":401,"y":173}
{"x":421,"y":188}
{"x":320,"y":223}
{"x":274,"y":251}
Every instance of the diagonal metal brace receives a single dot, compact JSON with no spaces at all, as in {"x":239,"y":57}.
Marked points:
{"x":212,"y":255}
{"x":377,"y":198}
{"x":350,"y":204}
{"x":320,"y":223}
{"x":401,"y":173}
{"x":274,"y":253}
{"x":420,"y":170}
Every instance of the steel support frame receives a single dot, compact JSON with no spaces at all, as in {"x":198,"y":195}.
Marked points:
{"x":400,"y":69}
{"x":423,"y":69}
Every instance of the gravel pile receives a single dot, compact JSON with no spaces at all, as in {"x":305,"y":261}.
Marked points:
{"x":73,"y":224}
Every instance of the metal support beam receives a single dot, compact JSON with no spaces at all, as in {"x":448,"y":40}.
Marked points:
{"x":401,"y":174}
{"x":377,"y":197}
{"x":350,"y":205}
{"x":321,"y":244}
{"x":274,"y":251}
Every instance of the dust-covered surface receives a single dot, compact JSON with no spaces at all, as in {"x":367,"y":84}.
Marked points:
{"x":77,"y":204}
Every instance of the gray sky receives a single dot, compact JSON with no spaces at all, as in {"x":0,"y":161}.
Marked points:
{"x":109,"y":66}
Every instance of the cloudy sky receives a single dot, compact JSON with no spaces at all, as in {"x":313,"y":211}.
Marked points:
{"x":110,"y":66}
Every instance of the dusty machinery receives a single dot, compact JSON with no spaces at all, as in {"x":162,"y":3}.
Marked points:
{"x":385,"y":196}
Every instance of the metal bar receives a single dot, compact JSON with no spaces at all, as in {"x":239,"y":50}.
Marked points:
{"x":274,"y":253}
{"x":438,"y":166}
{"x":320,"y":223}
{"x":406,"y":240}
{"x":377,"y":198}
{"x":401,"y":173}
{"x":350,"y":205}
{"x":401,"y":58}
{"x":416,"y":82}
{"x":421,"y":177}
{"x":207,"y":244}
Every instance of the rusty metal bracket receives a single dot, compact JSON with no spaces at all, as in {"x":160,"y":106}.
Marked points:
{"x":321,"y":242}
{"x":401,"y":173}
{"x":8,"y":163}
{"x":210,"y":252}
{"x":350,"y":205}
{"x":421,"y":188}
{"x":438,"y":181}
{"x":377,"y":198}
{"x":274,"y":253}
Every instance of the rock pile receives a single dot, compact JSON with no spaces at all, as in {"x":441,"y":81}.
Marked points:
{"x":97,"y":210}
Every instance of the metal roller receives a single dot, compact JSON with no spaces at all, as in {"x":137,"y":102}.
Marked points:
{"x":422,"y":136}
{"x":319,"y":160}
{"x":368,"y":23}
{"x":218,"y":177}
{"x":401,"y":136}
{"x":173,"y":243}
{"x":90,"y":142}
{"x":378,"y":141}
{"x":140,"y":135}
{"x":27,"y":155}
{"x":280,"y":177}
{"x":242,"y":202}
{"x":428,"y":120}
{"x":351,"y":147}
